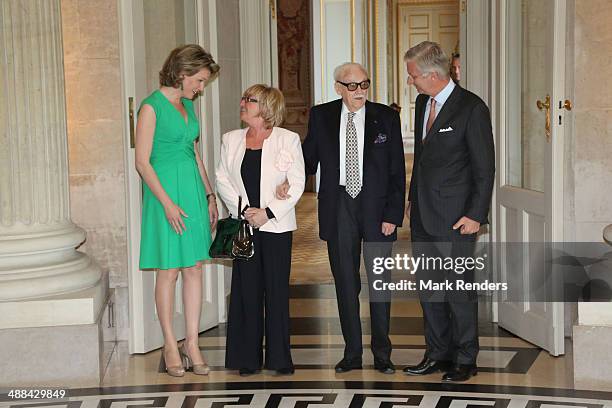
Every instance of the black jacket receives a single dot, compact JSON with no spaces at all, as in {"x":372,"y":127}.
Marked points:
{"x":384,"y":176}
{"x":454,"y":170}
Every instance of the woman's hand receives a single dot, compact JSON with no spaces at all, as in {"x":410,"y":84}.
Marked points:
{"x":175,"y":215}
{"x":213,"y":214}
{"x":256,"y":216}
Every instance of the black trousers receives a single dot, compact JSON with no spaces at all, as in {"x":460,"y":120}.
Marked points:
{"x":450,"y":316}
{"x":344,"y":250}
{"x":263,"y":279}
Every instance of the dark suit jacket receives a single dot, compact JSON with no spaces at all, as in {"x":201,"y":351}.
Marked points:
{"x":453,"y":171}
{"x":383,"y":189}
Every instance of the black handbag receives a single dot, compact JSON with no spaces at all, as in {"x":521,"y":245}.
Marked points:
{"x":234,"y":239}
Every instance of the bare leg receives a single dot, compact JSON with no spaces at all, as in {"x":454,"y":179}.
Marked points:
{"x":165,"y":285}
{"x":192,"y":300}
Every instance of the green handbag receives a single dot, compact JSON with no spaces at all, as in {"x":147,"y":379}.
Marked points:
{"x":234,"y":239}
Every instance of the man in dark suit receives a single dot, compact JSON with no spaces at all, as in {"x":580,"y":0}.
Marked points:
{"x":449,"y":199}
{"x":358,"y":145}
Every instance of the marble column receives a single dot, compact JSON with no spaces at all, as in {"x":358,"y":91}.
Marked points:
{"x":38,"y":241}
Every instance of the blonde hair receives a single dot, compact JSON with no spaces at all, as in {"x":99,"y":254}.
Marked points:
{"x":186,"y":60}
{"x":271,"y":103}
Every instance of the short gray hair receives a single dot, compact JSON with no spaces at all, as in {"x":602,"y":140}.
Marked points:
{"x":340,"y":69}
{"x":429,"y":57}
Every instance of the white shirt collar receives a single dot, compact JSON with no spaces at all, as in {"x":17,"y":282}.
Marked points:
{"x":358,"y":113}
{"x":443,"y":95}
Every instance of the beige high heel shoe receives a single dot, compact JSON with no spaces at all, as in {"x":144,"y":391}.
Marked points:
{"x":174,"y":371}
{"x":198,"y":369}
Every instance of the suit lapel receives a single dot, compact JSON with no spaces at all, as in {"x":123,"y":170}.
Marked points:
{"x":419,"y":112}
{"x":371,"y":122}
{"x":448,"y":110}
{"x":334,"y":128}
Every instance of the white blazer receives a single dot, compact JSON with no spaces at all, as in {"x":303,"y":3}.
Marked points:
{"x":281,"y":158}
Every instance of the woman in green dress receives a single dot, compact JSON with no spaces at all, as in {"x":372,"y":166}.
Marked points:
{"x":178,"y":208}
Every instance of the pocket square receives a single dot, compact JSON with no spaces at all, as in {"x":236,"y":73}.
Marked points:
{"x":381,"y":138}
{"x":448,"y":129}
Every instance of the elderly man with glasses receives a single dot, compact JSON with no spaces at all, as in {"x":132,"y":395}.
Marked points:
{"x":358,"y":145}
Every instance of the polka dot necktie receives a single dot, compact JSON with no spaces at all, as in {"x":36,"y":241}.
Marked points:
{"x":353,"y":180}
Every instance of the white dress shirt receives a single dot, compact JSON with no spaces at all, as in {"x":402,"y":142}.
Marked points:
{"x":359,"y":121}
{"x":440,"y":98}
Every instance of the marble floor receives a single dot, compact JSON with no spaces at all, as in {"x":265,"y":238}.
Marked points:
{"x":512,"y":372}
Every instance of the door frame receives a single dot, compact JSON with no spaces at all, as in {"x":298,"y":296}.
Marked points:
{"x":211,"y":146}
{"x":209,"y":108}
{"x":258,"y":42}
{"x":128,"y":58}
{"x":553,"y":198}
{"x":477,"y":52}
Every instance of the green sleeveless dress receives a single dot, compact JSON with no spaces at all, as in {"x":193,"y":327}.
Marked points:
{"x":173,"y":159}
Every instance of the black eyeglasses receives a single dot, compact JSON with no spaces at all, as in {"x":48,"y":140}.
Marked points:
{"x":352,"y":86}
{"x":248,"y":99}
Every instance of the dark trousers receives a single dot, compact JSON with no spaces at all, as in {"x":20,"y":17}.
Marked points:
{"x":263,"y":279}
{"x":450,"y":317}
{"x":344,"y":250}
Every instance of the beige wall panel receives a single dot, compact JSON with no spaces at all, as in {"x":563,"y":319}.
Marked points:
{"x":417,"y":21}
{"x":448,"y":21}
{"x":417,"y":37}
{"x":95,"y":131}
{"x":448,"y":41}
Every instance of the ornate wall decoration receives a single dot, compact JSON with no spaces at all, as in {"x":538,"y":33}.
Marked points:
{"x":294,"y":61}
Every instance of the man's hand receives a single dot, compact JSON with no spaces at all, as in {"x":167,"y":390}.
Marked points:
{"x":282,"y":189}
{"x":387,"y":228}
{"x":467,"y":226}
{"x":256,"y":216}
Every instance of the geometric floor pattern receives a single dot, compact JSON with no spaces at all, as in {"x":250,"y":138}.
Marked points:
{"x":315,"y":394}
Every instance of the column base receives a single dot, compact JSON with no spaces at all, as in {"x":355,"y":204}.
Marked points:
{"x":59,"y":341}
{"x":592,"y":358}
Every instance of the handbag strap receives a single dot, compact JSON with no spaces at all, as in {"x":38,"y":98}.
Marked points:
{"x":240,"y":209}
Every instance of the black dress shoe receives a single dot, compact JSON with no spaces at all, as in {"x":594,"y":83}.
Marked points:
{"x":245,"y":372}
{"x":385,"y":367}
{"x":428,"y":366}
{"x":346,"y":365}
{"x":461,"y":372}
{"x":285,"y":371}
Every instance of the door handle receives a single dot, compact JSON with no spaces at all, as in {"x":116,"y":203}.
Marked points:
{"x":272,"y":5}
{"x":567,"y":105}
{"x":131,"y":116}
{"x":545,"y":105}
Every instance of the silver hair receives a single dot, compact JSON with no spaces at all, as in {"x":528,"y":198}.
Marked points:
{"x":340,"y":69}
{"x":429,"y":57}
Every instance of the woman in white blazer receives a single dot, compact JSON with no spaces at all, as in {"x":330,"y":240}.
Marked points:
{"x":254,"y":161}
